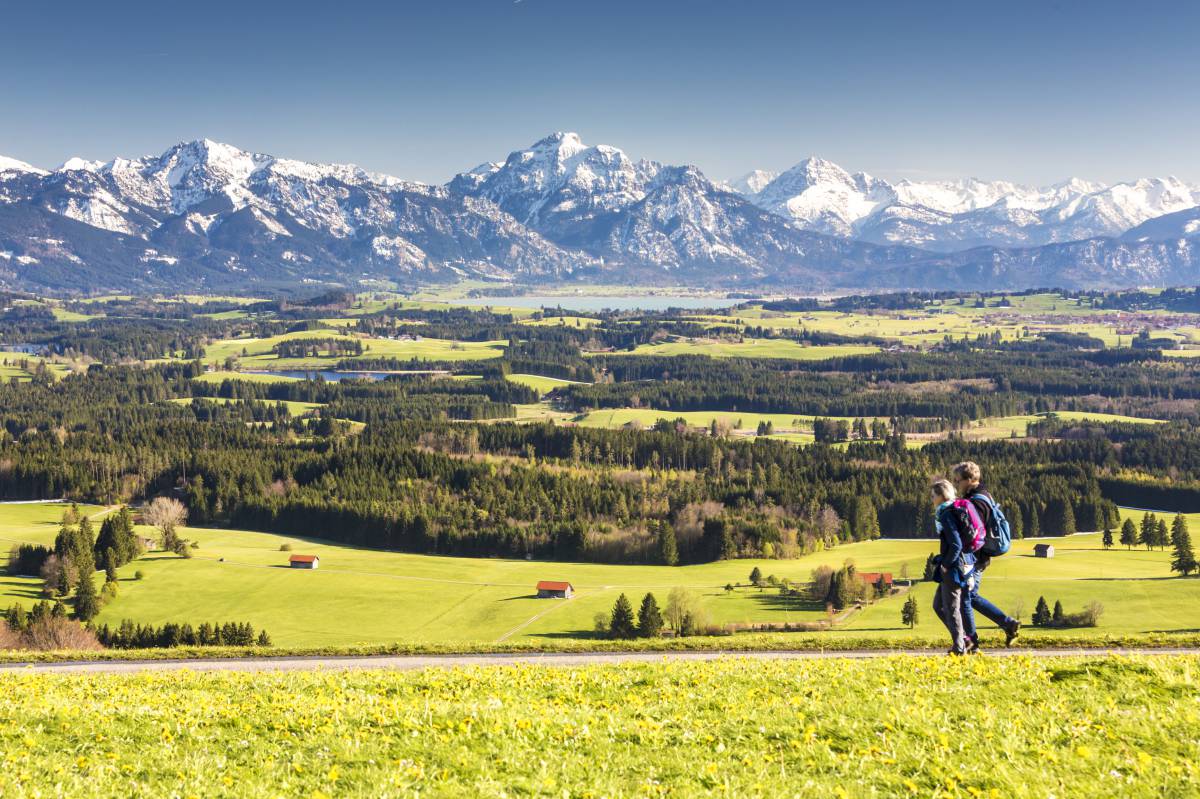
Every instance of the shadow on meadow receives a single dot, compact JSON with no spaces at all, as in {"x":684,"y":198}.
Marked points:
{"x":21,"y":589}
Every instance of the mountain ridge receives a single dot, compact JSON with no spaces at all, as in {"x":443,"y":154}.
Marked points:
{"x":208,"y":215}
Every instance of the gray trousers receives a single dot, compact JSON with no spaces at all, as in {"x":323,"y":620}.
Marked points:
{"x":947,"y":604}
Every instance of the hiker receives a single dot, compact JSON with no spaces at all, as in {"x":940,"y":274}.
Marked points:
{"x":966,"y":476}
{"x":955,"y":565}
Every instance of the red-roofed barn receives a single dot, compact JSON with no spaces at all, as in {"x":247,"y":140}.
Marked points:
{"x":552,"y":589}
{"x":304,"y":561}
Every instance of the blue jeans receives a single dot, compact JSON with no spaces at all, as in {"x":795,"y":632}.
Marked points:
{"x":972,"y":602}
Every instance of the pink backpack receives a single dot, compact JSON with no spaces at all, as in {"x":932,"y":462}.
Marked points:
{"x":970,"y":525}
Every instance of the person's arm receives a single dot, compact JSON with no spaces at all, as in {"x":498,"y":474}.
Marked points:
{"x":952,"y":547}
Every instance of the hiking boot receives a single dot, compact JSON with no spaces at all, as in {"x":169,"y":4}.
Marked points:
{"x":1011,"y":631}
{"x":972,"y":646}
{"x":955,"y":652}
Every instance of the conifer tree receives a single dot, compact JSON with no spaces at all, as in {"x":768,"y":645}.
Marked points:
{"x":1147,"y":531}
{"x":1161,"y":536}
{"x":1129,"y":536}
{"x":621,"y":623}
{"x":668,"y":547}
{"x":909,"y":614}
{"x":1179,"y":528}
{"x":1107,"y":540}
{"x":755,"y":576}
{"x":650,"y":620}
{"x":1184,"y":561}
{"x":87,"y":604}
{"x":110,"y":565}
{"x":1041,"y":613}
{"x":1058,"y":612}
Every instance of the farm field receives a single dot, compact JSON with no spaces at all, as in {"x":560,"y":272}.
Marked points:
{"x":1026,"y":315}
{"x":258,"y":353}
{"x":219,"y":376}
{"x":1081,"y":726}
{"x":370,"y":596}
{"x":753,"y":348}
{"x":542,"y":385}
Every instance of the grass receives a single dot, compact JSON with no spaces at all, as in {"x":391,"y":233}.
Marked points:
{"x":753,"y":348}
{"x":295,"y":407}
{"x":1004,"y":426}
{"x":219,"y":376}
{"x":899,"y":726}
{"x":540,"y":384}
{"x":258,"y":353}
{"x":796,"y":427}
{"x":361,"y":596}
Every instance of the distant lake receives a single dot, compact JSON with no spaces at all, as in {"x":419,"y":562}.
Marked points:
{"x":594,"y":303}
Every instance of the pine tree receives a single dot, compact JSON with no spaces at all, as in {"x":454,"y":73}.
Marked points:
{"x":755,"y":576}
{"x":1184,"y":561}
{"x":1129,"y":536}
{"x":1161,"y":536}
{"x":1107,"y":540}
{"x":87,"y":604}
{"x":110,"y":565}
{"x":1041,"y":613}
{"x":650,"y":620}
{"x":264,"y":639}
{"x":1033,"y":525}
{"x":910,"y":613}
{"x":1179,"y":528}
{"x":668,"y":547}
{"x":1058,"y":612}
{"x":1148,"y":528}
{"x":621,"y":623}
{"x":1060,"y":517}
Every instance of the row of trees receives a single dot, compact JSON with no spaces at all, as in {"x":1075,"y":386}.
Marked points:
{"x":1043,"y":616}
{"x":684,"y":615}
{"x":129,"y":635}
{"x":1152,"y":532}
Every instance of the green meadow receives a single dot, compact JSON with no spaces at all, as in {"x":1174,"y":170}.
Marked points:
{"x":1083,"y":726}
{"x":754,"y":348}
{"x":255,"y":353}
{"x":372,"y":597}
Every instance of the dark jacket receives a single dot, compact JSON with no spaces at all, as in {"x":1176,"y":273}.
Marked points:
{"x":982,"y":559}
{"x":951,"y":556}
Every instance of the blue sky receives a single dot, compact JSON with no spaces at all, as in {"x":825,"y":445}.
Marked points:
{"x":1034,"y":92}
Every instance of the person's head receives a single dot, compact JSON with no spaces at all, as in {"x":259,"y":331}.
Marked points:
{"x":942,"y":491}
{"x":966,"y":476}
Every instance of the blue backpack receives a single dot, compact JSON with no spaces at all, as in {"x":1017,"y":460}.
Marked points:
{"x":997,"y":535}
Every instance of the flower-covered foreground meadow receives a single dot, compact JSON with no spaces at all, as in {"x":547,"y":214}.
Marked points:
{"x":887,"y":727}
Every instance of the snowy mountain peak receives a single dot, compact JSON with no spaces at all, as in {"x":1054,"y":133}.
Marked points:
{"x":563,"y":144}
{"x":750,"y":183}
{"x":559,"y":176}
{"x":15,"y":166}
{"x":77,"y":164}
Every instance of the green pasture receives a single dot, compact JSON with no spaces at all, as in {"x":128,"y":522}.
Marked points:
{"x":370,"y":596}
{"x":1086,"y":726}
{"x":540,"y":384}
{"x":294,"y":407}
{"x":258,"y":354}
{"x":220,"y":376}
{"x":753,"y":348}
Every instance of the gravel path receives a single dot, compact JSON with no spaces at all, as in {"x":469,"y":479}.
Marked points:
{"x":410,"y":662}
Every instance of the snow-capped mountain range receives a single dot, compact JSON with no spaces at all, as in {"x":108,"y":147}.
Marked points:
{"x":956,"y":215}
{"x":206,"y":215}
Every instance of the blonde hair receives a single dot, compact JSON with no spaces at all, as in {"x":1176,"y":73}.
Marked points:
{"x":943,"y":489}
{"x":967,"y":470}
